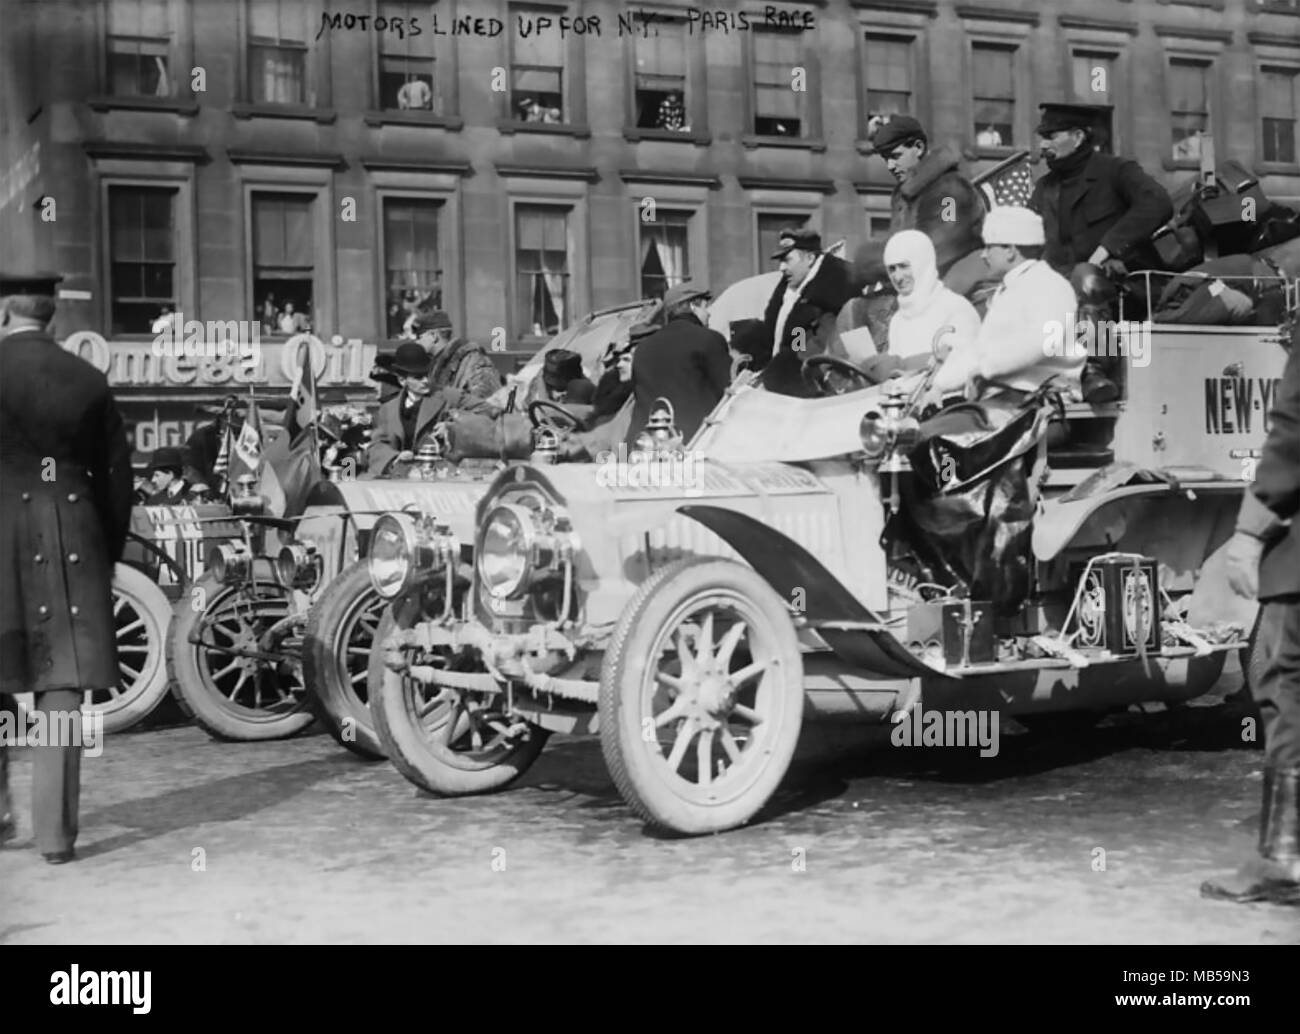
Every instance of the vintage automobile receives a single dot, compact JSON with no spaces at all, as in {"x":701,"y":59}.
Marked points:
{"x":811,"y":559}
{"x":344,"y":618}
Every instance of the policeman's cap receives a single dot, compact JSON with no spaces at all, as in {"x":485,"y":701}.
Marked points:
{"x":44,"y":285}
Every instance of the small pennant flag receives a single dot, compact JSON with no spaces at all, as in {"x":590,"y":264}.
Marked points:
{"x":221,"y":467}
{"x":304,"y":409}
{"x":248,"y":459}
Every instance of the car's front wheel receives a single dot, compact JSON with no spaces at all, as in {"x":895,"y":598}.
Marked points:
{"x":450,"y":741}
{"x":701,"y":696}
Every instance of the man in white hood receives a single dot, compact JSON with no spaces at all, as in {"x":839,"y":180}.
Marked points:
{"x":926,"y":307}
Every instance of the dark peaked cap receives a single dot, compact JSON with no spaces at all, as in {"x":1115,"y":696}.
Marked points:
{"x":42,"y":284}
{"x":1057,"y":117}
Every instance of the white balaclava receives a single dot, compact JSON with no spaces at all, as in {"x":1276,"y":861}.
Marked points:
{"x":914,"y":247}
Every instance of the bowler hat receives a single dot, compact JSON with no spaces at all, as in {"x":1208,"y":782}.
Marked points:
{"x":42,"y":284}
{"x":167,"y":458}
{"x":682,"y":293}
{"x":560,"y":367}
{"x":435,"y":320}
{"x":801,"y":238}
{"x":411,"y":359}
{"x":895,"y":131}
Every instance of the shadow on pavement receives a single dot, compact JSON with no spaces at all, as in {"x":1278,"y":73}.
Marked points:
{"x":222,"y":800}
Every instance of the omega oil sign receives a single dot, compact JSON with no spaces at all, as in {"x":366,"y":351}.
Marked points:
{"x":1239,"y":405}
{"x":138,"y":364}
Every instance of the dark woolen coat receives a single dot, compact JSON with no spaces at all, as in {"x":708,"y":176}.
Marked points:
{"x":66,"y":491}
{"x":686,"y":363}
{"x":1119,"y":208}
{"x":390,"y":438}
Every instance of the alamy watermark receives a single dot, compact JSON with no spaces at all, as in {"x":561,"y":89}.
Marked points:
{"x":179,"y":338}
{"x":74,"y":986}
{"x":1099,"y":339}
{"x":54,"y":729}
{"x":634,"y":468}
{"x":921,"y":728}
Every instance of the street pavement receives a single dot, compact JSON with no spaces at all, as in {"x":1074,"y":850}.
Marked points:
{"x":1102,"y":836}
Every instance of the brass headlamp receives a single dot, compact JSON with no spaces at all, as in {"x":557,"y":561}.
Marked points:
{"x":888,"y":433}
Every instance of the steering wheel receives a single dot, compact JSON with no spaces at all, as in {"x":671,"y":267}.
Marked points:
{"x":814,"y":376}
{"x":538,"y":407}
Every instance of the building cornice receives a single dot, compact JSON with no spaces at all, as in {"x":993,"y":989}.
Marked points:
{"x":1192,"y":32}
{"x":550,"y":172}
{"x":997,"y":14}
{"x":1076,"y":21}
{"x":818,"y":186}
{"x":146,"y":151}
{"x":245,"y":156}
{"x":686,"y":179}
{"x":386,"y":164}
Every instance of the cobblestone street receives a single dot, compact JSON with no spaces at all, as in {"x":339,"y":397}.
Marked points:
{"x":184,"y":839}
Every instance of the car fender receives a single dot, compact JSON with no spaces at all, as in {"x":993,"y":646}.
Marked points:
{"x":814,"y":592}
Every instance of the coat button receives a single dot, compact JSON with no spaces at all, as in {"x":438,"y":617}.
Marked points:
{"x":72,"y":497}
{"x":27,"y":497}
{"x":74,"y":610}
{"x":42,"y":610}
{"x":73,"y":558}
{"x":39,"y":559}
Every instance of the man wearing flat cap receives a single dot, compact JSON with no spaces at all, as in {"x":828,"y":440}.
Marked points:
{"x":1096,"y":207}
{"x":65,"y":506}
{"x":684,"y":362}
{"x":457,"y":361}
{"x":799,"y":321}
{"x":932,"y":195}
{"x":406,"y":419}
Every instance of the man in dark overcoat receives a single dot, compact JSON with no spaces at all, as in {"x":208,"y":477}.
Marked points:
{"x":65,"y":506}
{"x":799,"y":321}
{"x":1264,"y":562}
{"x":1096,"y":207}
{"x":684,"y":362}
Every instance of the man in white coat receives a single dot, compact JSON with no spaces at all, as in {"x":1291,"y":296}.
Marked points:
{"x":1018,"y":347}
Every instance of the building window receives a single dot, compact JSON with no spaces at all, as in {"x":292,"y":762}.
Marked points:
{"x":1278,"y":106}
{"x":277,"y":52}
{"x":878,"y":227}
{"x":770,"y":225}
{"x":661,"y":100}
{"x":142,"y":249}
{"x":779,"y":109}
{"x":1094,"y":75}
{"x":665,"y":252}
{"x":994,"y":90}
{"x":406,"y":79}
{"x":889,"y":75}
{"x":412,"y":272}
{"x":1189,"y":106}
{"x":536,"y":68}
{"x":139,"y":47}
{"x":542,"y":268}
{"x":283,"y":263}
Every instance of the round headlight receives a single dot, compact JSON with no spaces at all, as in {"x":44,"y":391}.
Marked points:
{"x":228,"y":563}
{"x":505,"y":550}
{"x":297,"y":566}
{"x":874,"y":438}
{"x":392,"y":547}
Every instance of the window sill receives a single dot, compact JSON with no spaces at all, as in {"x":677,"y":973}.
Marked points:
{"x":1277,"y":168}
{"x":816,"y":144}
{"x":304,"y":112}
{"x":174,"y":105}
{"x":578,"y":130}
{"x":636,"y":135}
{"x":995,"y":153}
{"x":388,"y":117}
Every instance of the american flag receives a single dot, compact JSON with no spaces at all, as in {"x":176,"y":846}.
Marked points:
{"x":221,"y":468}
{"x":1009,"y":183}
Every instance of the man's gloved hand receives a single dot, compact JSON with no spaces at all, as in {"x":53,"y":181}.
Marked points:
{"x":881,"y":367}
{"x":1243,"y":564}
